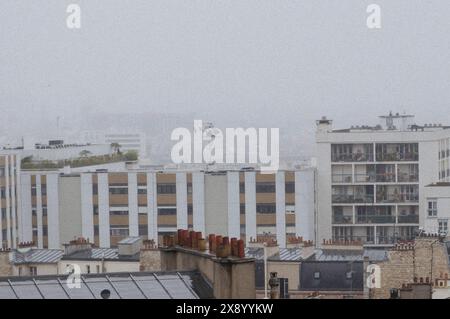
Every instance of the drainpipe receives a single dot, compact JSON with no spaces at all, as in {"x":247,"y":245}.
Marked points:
{"x":265,"y":271}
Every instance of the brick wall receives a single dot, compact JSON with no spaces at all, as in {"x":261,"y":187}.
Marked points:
{"x":150,"y":260}
{"x":6,"y":268}
{"x":425,"y":259}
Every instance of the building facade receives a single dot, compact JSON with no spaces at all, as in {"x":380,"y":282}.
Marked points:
{"x":372,"y":179}
{"x":107,"y":207}
{"x":10,"y":200}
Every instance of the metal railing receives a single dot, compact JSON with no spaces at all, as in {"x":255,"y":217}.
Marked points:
{"x":352,"y":157}
{"x":341,"y":178}
{"x":413,"y":219}
{"x":343,"y":198}
{"x":342,"y":219}
{"x":397,"y":156}
{"x":397,"y":198}
{"x":374,"y":219}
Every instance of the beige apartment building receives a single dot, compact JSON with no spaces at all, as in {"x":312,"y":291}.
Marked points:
{"x":108,"y":206}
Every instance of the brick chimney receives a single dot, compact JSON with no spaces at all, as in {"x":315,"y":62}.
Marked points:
{"x":77,"y":245}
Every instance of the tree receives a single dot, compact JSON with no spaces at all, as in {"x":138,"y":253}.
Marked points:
{"x":131,"y":156}
{"x":116,"y":147}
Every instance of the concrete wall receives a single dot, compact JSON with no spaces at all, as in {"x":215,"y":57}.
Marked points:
{"x":290,"y":270}
{"x":106,"y":266}
{"x":231,"y":278}
{"x":42,"y":269}
{"x":70,"y":225}
{"x":216,"y":207}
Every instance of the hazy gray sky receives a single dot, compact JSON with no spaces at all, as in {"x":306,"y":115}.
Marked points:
{"x":271,"y":63}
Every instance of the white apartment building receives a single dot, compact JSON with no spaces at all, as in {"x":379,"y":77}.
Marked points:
{"x":10,"y":203}
{"x":372,"y":180}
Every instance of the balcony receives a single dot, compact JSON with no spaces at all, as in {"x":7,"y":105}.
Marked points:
{"x":375,"y":219}
{"x":385,"y":178}
{"x":397,"y":198}
{"x":397,"y":194}
{"x":365,"y":178}
{"x":339,"y":219}
{"x":341,"y":178}
{"x":408,"y":178}
{"x":395,"y":152}
{"x":352,"y":157}
{"x":408,"y":219}
{"x":348,"y":198}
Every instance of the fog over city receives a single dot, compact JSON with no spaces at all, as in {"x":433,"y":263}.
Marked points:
{"x":156,"y":65}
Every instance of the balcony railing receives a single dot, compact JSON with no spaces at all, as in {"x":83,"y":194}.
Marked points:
{"x":373,"y":219}
{"x":341,"y":178}
{"x":413,"y":219}
{"x":342,"y":219}
{"x":397,"y":198}
{"x":343,"y":198}
{"x":352,"y":157}
{"x":371,"y":240}
{"x":363,"y":178}
{"x":386,"y":178}
{"x":405,"y":178}
{"x":397,"y":156}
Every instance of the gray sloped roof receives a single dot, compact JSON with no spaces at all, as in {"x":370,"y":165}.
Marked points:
{"x":99,"y":254}
{"x":141,"y":285}
{"x":285,"y":254}
{"x":337,"y":255}
{"x":37,"y":256}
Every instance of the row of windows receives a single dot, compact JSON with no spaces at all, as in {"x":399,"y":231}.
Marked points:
{"x":43,"y":190}
{"x":3,"y":192}
{"x":34,"y":211}
{"x":260,"y":209}
{"x":170,"y":188}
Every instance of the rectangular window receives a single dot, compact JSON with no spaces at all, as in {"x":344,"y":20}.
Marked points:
{"x":265,"y":187}
{"x":118,"y":190}
{"x":143,"y":230}
{"x":443,"y":226}
{"x":167,"y":188}
{"x":88,"y":269}
{"x":119,"y":231}
{"x":142,"y":191}
{"x":167,"y":210}
{"x":290,"y":188}
{"x":266,"y":208}
{"x":33,"y":271}
{"x":118,"y":213}
{"x":95,"y":189}
{"x":432,"y":208}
